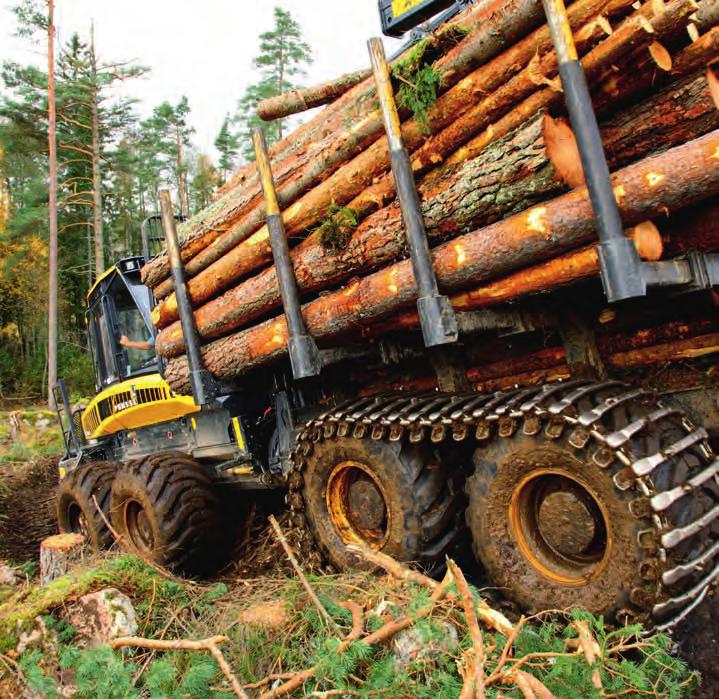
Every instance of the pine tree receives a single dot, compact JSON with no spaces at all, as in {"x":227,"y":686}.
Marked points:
{"x":165,"y":140}
{"x":283,"y":57}
{"x":227,"y":145}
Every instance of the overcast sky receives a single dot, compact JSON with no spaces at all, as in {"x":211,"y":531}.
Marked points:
{"x":204,"y":48}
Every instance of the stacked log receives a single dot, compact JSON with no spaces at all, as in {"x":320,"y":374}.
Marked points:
{"x":494,"y":159}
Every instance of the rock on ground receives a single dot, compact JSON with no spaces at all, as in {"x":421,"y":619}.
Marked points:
{"x":101,"y":617}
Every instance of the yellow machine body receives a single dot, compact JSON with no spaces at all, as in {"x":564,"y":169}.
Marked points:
{"x":136,"y":402}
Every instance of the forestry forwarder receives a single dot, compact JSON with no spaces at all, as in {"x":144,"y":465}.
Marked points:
{"x":587,"y":492}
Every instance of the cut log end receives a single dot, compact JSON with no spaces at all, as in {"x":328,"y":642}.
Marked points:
{"x":713,"y":81}
{"x":660,"y":56}
{"x":58,"y":554}
{"x":647,"y":240}
{"x":562,"y":151}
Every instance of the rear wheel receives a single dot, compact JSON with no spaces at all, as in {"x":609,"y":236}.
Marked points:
{"x":393,"y":497}
{"x":165,"y":507}
{"x":578,"y":507}
{"x":83,"y":502}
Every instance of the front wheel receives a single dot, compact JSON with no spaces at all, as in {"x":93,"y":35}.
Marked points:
{"x":165,"y":508}
{"x":82,"y":502}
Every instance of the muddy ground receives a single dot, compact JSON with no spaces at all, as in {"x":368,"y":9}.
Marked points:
{"x":27,"y":516}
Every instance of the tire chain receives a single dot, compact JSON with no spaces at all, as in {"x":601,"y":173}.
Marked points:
{"x":442,"y":417}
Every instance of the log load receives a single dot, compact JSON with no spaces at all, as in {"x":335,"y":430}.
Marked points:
{"x":351,"y":179}
{"x":680,"y":177}
{"x":528,"y":166}
{"x":487,"y":27}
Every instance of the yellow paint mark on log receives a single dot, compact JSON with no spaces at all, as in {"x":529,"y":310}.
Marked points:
{"x":715,"y":154}
{"x":461,"y":255}
{"x":391,"y":286}
{"x":619,"y":193}
{"x":535,"y":219}
{"x":653,"y":178}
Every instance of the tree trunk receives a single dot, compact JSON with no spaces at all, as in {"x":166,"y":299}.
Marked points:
{"x":58,"y":554}
{"x":52,"y":207}
{"x":682,"y":176}
{"x":359,"y":173}
{"x":493,"y":27}
{"x":181,"y":175}
{"x":96,"y":173}
{"x":302,"y":99}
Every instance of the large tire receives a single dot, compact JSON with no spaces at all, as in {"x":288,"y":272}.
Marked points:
{"x":75,"y":502}
{"x":559,"y":517}
{"x":165,"y":508}
{"x":394,"y":497}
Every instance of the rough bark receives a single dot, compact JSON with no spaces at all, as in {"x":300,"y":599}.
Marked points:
{"x":58,"y":554}
{"x":507,"y":177}
{"x":359,"y":173}
{"x":305,"y":98}
{"x":492,"y":26}
{"x":695,"y":229}
{"x":682,"y":176}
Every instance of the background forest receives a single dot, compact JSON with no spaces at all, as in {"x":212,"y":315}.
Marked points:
{"x":111,"y":163}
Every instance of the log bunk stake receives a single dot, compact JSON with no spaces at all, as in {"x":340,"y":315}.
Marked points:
{"x":304,"y":355}
{"x":439,"y":325}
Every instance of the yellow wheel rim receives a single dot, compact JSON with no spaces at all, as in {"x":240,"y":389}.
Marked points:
{"x":560,"y":526}
{"x":357,"y":505}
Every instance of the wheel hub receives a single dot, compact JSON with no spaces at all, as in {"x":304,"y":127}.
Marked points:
{"x":560,"y":526}
{"x":567,"y":524}
{"x":366,"y":504}
{"x":357,"y":505}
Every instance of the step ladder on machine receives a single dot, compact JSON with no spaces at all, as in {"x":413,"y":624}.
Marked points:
{"x":73,"y":453}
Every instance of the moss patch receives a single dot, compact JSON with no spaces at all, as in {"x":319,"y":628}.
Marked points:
{"x":336,"y":228}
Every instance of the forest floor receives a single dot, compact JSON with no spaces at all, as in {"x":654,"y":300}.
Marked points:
{"x":275,"y":634}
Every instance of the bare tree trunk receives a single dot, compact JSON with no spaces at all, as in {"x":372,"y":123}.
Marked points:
{"x":181,"y":176}
{"x":52,"y":206}
{"x":96,"y":173}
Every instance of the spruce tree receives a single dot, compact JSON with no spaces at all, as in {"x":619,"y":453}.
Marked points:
{"x":283,"y":57}
{"x":227,"y":145}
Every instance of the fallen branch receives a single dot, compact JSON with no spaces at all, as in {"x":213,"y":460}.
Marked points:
{"x":208,"y":644}
{"x":474,"y":681}
{"x":385,"y":632}
{"x":591,"y":650}
{"x":308,"y":588}
{"x":393,"y":567}
{"x":530,"y":686}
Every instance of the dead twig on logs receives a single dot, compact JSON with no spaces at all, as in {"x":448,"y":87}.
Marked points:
{"x":308,"y":588}
{"x":474,"y":681}
{"x":207,"y":644}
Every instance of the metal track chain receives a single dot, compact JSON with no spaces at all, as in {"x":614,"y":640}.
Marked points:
{"x":441,"y":417}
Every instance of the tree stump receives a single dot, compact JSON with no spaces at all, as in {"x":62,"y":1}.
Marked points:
{"x":58,"y":554}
